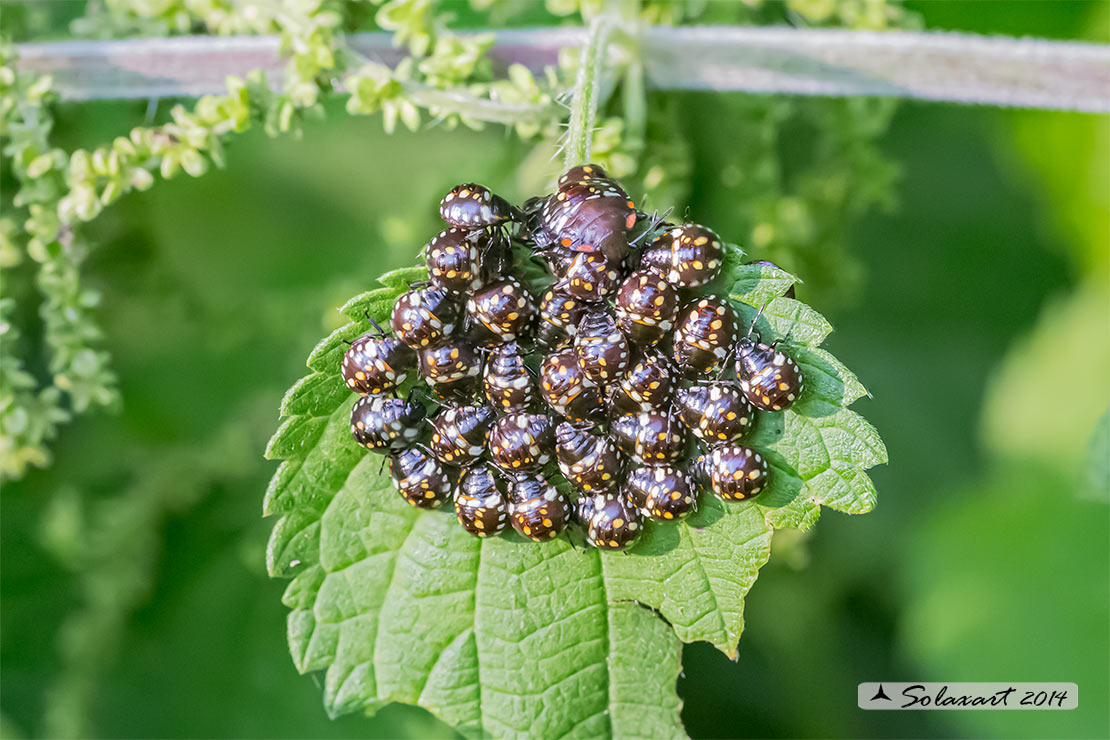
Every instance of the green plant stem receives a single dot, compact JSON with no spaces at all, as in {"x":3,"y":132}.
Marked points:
{"x":634,"y":105}
{"x":583,"y":106}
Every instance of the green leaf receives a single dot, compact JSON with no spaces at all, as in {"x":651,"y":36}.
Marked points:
{"x":504,"y":637}
{"x":758,"y":284}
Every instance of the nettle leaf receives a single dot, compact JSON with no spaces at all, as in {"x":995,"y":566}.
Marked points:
{"x":504,"y":637}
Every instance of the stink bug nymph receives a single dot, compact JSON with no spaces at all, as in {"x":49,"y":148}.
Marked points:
{"x":688,"y":256}
{"x":472,"y":206}
{"x":601,"y":347}
{"x":522,"y":442}
{"x":651,"y":437}
{"x":590,"y":462}
{"x":714,"y":412}
{"x":704,"y":336}
{"x":507,"y":381}
{"x":646,"y":307}
{"x":733,"y":472}
{"x":646,"y":385}
{"x":663,"y":492}
{"x":459,"y":434}
{"x":770,"y":379}
{"x":425,"y":317}
{"x":381,"y":423}
{"x":454,"y":258}
{"x":615,"y":522}
{"x":376,"y":364}
{"x":537,"y":509}
{"x":505,"y":308}
{"x":480,"y":505}
{"x":419,"y":477}
{"x":452,"y":370}
{"x":566,"y":388}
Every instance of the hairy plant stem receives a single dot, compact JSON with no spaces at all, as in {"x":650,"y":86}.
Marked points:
{"x":583,"y":106}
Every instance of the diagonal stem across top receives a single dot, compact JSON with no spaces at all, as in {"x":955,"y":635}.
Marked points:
{"x":1029,"y":73}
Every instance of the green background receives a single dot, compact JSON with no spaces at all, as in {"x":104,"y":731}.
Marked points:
{"x":980,"y":326}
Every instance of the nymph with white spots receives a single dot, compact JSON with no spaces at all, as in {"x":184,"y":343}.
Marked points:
{"x":716,"y":412}
{"x":425,"y":317}
{"x":506,"y":379}
{"x":376,"y":364}
{"x":687,"y":256}
{"x":567,"y":389}
{"x":646,"y":307}
{"x":471,"y":206}
{"x":559,"y":316}
{"x":591,"y":277}
{"x":704,"y":336}
{"x":647,"y":385}
{"x":651,"y":437}
{"x":522,"y":442}
{"x":505,"y":308}
{"x":592,"y":463}
{"x":452,"y":370}
{"x":381,"y":423}
{"x":662,"y":492}
{"x":592,"y":215}
{"x":770,"y":378}
{"x":733,"y":472}
{"x":460,"y":434}
{"x":615,"y":522}
{"x":454,"y":258}
{"x":420,"y":479}
{"x":480,"y":505}
{"x":601,"y":347}
{"x":537,"y":509}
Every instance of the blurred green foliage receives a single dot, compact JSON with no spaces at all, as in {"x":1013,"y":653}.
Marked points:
{"x":983,"y":561}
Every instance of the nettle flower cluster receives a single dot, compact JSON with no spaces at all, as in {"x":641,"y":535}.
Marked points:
{"x":617,"y":396}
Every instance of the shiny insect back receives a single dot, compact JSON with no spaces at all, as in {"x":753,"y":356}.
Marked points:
{"x":589,"y":215}
{"x":425,"y":316}
{"x":506,"y":380}
{"x":537,"y":509}
{"x":451,"y":370}
{"x":567,"y":389}
{"x":376,"y":364}
{"x":662,"y":492}
{"x":582,"y":173}
{"x":601,"y":347}
{"x":591,"y":277}
{"x":382,"y":424}
{"x":480,"y":505}
{"x":647,"y":385}
{"x":560,"y":313}
{"x":591,"y":463}
{"x":715,"y":412}
{"x":505,"y":308}
{"x":455,"y":259}
{"x":646,"y":307}
{"x":733,"y":472}
{"x":522,"y":442}
{"x":615,"y":522}
{"x":704,"y":336}
{"x":651,"y":437}
{"x":770,"y":379}
{"x":473,"y":206}
{"x":419,"y":477}
{"x":687,"y":256}
{"x":460,"y":434}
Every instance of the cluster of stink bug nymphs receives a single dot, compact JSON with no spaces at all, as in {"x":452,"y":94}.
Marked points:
{"x":618,"y":395}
